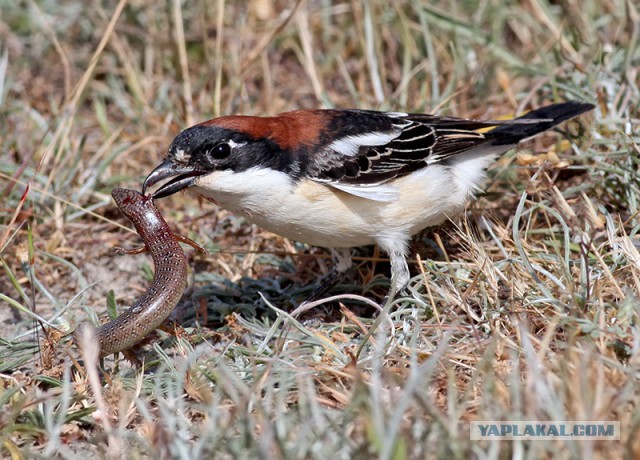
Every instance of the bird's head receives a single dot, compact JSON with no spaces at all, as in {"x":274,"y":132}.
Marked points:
{"x":202,"y":150}
{"x":234,"y":143}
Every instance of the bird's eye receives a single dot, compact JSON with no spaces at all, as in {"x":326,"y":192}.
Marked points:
{"x":220,"y":151}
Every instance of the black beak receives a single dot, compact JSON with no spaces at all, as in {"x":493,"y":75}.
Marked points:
{"x":180,"y":176}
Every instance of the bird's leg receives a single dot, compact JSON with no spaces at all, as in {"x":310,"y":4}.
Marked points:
{"x":342,"y":264}
{"x":399,"y":273}
{"x":397,"y":249}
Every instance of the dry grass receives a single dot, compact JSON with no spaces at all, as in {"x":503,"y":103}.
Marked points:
{"x":525,"y":308}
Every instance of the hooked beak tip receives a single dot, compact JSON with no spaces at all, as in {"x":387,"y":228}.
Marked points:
{"x":163,"y":170}
{"x":180,"y":177}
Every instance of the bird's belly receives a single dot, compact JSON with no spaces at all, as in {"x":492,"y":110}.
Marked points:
{"x":320,"y":215}
{"x":310,"y":213}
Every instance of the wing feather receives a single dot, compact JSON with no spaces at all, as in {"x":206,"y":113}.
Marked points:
{"x":383,"y":193}
{"x":377,"y":147}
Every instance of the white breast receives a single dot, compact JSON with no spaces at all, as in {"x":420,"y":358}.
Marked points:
{"x":320,"y":215}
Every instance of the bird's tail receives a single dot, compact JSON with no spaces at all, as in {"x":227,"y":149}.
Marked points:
{"x":548,"y":117}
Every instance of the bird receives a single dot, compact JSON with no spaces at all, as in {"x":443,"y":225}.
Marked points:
{"x":344,"y":178}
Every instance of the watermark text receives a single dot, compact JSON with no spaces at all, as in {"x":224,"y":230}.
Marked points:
{"x":576,"y":430}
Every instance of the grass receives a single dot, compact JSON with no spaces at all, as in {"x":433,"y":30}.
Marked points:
{"x":523,"y":308}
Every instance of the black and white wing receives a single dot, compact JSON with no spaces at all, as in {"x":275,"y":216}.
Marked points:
{"x":376,"y":147}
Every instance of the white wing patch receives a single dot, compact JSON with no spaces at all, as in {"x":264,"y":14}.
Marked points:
{"x":396,"y":114}
{"x":348,"y":146}
{"x":383,"y":193}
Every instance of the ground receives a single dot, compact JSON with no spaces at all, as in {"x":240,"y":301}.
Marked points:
{"x":524,"y":307}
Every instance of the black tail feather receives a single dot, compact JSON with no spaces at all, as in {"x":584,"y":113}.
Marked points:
{"x":549,"y":116}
